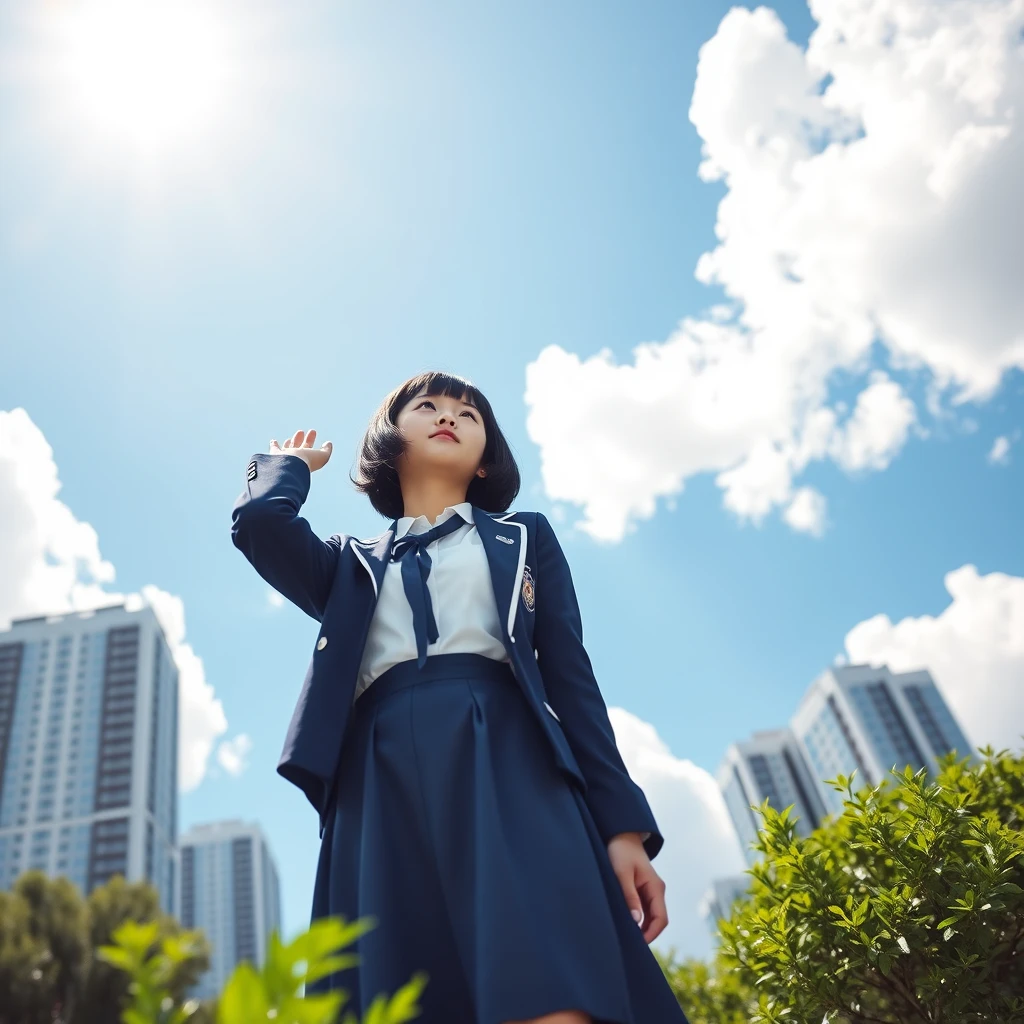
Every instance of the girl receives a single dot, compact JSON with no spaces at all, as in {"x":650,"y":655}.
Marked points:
{"x":452,"y":736}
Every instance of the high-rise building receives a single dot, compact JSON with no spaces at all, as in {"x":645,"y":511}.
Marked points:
{"x":89,"y":749}
{"x":229,"y":888}
{"x":719,"y":898}
{"x":872,"y":719}
{"x":769,"y":766}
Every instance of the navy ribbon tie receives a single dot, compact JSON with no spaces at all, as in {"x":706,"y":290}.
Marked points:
{"x":411,"y":551}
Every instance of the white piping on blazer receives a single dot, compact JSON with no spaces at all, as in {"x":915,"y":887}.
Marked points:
{"x":366,"y":565}
{"x":517,"y":582}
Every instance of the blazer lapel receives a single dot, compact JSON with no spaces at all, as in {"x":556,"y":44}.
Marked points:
{"x":374,"y":554}
{"x":505,"y":544}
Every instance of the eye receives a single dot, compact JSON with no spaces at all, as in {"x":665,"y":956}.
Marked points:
{"x":426,"y":401}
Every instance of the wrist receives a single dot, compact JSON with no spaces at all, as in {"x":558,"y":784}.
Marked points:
{"x":639,"y":837}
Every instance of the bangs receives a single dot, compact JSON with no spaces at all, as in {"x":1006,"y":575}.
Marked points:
{"x":436,"y":382}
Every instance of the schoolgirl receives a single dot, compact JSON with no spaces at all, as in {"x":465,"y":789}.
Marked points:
{"x":452,"y":736}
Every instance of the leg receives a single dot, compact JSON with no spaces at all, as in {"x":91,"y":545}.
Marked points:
{"x":563,"y":1017}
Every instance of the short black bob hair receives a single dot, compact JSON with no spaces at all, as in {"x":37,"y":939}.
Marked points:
{"x":383,"y":443}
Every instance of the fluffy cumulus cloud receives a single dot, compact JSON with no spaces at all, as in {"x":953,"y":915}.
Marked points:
{"x":974,"y":650}
{"x":700,"y":843}
{"x":50,"y":563}
{"x":871,"y":204}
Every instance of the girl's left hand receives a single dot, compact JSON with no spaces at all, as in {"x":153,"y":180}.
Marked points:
{"x":641,"y":885}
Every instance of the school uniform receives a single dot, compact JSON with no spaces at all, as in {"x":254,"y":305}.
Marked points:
{"x":452,"y":737}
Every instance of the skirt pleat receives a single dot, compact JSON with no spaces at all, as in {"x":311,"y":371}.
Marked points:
{"x":453,"y":828}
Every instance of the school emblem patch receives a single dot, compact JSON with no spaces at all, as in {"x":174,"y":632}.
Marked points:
{"x":529,"y":591}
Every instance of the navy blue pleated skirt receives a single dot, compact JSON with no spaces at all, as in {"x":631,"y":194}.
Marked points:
{"x":478,"y":858}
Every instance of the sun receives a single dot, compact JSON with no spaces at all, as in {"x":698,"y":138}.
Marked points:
{"x":147,"y":76}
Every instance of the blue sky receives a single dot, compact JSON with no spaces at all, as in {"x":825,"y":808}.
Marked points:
{"x":396,"y":187}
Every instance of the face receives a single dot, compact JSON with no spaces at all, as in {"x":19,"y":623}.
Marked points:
{"x":443,"y":435}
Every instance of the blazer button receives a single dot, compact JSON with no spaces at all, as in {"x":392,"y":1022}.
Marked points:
{"x":321,"y":643}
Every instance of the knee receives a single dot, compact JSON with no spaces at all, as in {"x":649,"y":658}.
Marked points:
{"x":562,"y":1017}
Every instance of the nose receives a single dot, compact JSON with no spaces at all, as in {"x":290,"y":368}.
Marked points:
{"x":442,"y":418}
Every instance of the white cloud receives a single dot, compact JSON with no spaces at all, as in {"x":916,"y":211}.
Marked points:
{"x":877,"y":429}
{"x":700,"y":843}
{"x":274,"y":599}
{"x":974,"y":650}
{"x":231,"y":754}
{"x":1000,"y":453}
{"x":871,"y":197}
{"x":48,"y":559}
{"x":806,"y":512}
{"x":50,"y":563}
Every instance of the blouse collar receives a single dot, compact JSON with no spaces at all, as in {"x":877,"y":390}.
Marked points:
{"x":420,"y":524}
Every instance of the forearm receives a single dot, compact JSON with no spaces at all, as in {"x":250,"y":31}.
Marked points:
{"x":279,"y":543}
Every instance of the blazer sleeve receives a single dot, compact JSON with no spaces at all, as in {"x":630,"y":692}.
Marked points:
{"x":617,"y":803}
{"x":279,"y":543}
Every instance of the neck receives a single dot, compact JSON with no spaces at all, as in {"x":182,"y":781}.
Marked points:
{"x":430,"y":497}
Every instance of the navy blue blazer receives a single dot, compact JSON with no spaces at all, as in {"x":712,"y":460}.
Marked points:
{"x":336,"y":582}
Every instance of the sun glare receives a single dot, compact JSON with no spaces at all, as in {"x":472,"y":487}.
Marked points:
{"x":146,"y":75}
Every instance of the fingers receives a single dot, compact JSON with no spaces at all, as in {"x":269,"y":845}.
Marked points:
{"x":652,"y":894}
{"x":295,"y":441}
{"x":300,"y":439}
{"x":626,"y":880}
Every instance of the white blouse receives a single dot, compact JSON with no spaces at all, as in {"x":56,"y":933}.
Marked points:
{"x":461,"y":595}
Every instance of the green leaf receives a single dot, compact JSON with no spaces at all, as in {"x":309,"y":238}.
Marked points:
{"x":117,"y":956}
{"x":243,"y":1000}
{"x":861,"y":912}
{"x":328,"y":966}
{"x":327,"y":934}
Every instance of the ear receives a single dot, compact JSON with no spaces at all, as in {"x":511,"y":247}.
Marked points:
{"x":481,"y":472}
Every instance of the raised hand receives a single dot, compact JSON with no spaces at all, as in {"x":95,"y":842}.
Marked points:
{"x":300,"y":444}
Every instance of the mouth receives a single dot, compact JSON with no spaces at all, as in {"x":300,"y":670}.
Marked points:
{"x":444,"y":433}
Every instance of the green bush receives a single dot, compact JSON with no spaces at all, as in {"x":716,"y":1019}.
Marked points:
{"x":907,"y":907}
{"x":116,"y":958}
{"x":271,"y":993}
{"x":49,"y":973}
